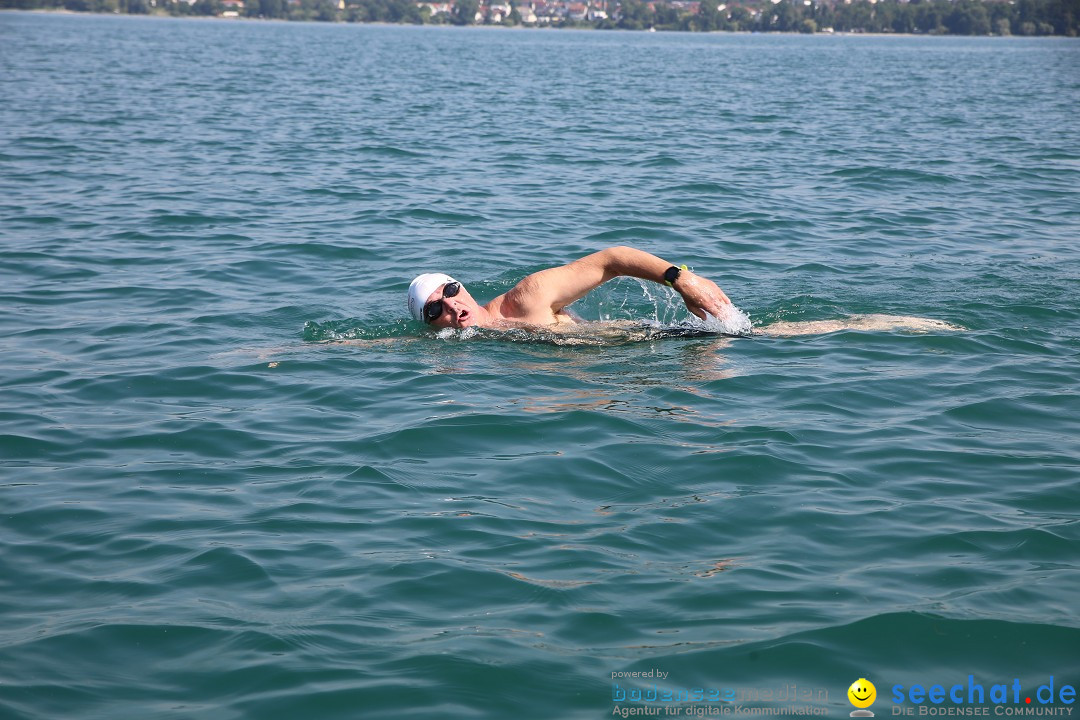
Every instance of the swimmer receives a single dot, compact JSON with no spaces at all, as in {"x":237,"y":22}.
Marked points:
{"x":542,"y":298}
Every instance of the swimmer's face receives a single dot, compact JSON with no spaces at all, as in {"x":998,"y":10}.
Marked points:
{"x":459,"y":311}
{"x":862,"y":693}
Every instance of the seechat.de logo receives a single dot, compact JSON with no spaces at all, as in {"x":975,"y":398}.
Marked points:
{"x":862,"y":694}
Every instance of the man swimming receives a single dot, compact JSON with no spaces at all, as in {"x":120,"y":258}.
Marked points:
{"x":542,"y":298}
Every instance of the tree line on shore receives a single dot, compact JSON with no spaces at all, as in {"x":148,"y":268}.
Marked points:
{"x":935,"y":17}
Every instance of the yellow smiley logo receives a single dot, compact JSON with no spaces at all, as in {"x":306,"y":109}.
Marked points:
{"x":862,"y":693}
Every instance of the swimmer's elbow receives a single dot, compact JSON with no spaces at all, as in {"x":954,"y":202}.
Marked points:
{"x":616,"y":261}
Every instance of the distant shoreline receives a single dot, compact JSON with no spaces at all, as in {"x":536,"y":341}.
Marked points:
{"x":499,"y":26}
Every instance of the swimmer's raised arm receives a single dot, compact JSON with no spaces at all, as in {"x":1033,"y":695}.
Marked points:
{"x":558,"y":287}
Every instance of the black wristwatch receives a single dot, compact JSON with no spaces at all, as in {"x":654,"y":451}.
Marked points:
{"x":672,"y":274}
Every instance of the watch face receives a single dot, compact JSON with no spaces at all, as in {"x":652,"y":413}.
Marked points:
{"x":671,"y":274}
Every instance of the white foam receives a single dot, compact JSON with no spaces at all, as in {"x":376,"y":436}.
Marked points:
{"x":731,"y":321}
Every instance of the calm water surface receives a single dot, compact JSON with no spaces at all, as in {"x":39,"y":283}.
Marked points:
{"x":211,"y":508}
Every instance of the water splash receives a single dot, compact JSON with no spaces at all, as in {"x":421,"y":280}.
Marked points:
{"x":669,"y":310}
{"x":731,"y":321}
{"x":605,"y":333}
{"x":355,"y":329}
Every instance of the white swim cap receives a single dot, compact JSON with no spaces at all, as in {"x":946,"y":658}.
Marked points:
{"x":421,"y":288}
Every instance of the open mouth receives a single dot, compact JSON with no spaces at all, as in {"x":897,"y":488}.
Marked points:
{"x":462,"y":317}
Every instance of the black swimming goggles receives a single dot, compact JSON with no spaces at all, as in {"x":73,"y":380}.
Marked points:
{"x":434,"y":309}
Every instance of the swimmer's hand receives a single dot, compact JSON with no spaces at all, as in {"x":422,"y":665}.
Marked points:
{"x":701,"y":295}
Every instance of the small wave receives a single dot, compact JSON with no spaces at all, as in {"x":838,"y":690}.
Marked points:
{"x":635,"y":233}
{"x":661,"y":161}
{"x":873,"y":177}
{"x":346,"y":194}
{"x":40,"y":219}
{"x":353,"y":329}
{"x":702,"y":188}
{"x":42,"y":140}
{"x":440,"y":216}
{"x":388,"y":151}
{"x":593,"y":334}
{"x":191,"y":218}
{"x":598,"y":334}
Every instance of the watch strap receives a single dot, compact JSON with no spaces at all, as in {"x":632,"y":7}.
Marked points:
{"x":672,"y":274}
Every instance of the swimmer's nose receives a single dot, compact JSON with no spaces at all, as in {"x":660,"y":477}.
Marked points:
{"x":455,"y":307}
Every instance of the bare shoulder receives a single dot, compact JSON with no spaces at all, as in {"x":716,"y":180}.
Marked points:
{"x":541,"y":296}
{"x":526,"y":293}
{"x":525,"y":302}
